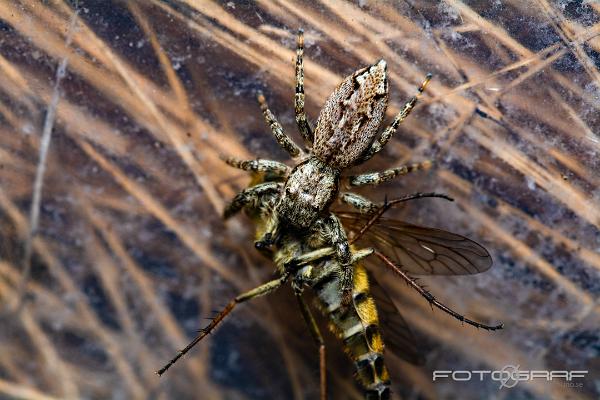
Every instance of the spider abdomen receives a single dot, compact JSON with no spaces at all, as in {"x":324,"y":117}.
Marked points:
{"x":351,"y":116}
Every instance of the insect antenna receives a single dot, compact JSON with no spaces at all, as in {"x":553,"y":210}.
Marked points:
{"x":430,"y":298}
{"x":389,"y":204}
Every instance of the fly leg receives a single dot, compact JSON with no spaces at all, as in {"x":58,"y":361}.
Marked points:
{"x":284,"y":141}
{"x":295,"y":263}
{"x":301,"y":119}
{"x":391,"y":129}
{"x":258,"y":165}
{"x":430,"y":298}
{"x":251,"y":294}
{"x":376,"y":178}
{"x":318,"y":338}
{"x":249,"y":195}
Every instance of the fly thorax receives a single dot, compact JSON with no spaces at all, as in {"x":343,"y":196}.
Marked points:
{"x":308,"y":192}
{"x":350,"y":119}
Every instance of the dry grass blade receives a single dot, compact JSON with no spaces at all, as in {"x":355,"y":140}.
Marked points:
{"x":34,"y":213}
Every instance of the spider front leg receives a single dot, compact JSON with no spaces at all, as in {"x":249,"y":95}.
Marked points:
{"x":270,"y":233}
{"x":284,"y":141}
{"x":375,"y":178}
{"x":391,"y":129}
{"x":301,"y":119}
{"x":258,"y":165}
{"x":250,"y":195}
{"x":333,"y":232}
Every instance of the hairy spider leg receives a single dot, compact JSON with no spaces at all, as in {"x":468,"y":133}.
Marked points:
{"x":301,"y":119}
{"x":258,"y":165}
{"x":366,"y":206}
{"x":358,"y":202}
{"x":318,"y":338}
{"x":335,"y":233}
{"x":391,"y":129}
{"x":376,"y":178}
{"x":250,"y":195}
{"x":284,"y":140}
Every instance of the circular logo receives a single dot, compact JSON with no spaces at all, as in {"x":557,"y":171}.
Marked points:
{"x":510,"y":376}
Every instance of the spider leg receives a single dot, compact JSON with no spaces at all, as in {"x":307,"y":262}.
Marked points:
{"x":258,"y":165}
{"x":318,"y":338}
{"x":250,"y":195}
{"x":256,"y":292}
{"x":360,"y":203}
{"x":336,"y":235}
{"x":333,"y":231}
{"x":391,"y":129}
{"x":366,"y":206}
{"x":284,"y":141}
{"x":379,"y":211}
{"x":301,"y":119}
{"x":270,"y":233}
{"x":375,"y":178}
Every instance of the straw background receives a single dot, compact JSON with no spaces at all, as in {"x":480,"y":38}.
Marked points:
{"x":131,"y":255}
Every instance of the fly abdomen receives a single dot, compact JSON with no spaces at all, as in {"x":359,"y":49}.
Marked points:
{"x":357,"y":324}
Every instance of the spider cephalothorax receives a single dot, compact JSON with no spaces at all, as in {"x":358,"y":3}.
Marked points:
{"x":308,"y":191}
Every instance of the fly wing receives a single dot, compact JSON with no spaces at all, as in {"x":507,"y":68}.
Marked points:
{"x":420,"y":250}
{"x":397,"y":335}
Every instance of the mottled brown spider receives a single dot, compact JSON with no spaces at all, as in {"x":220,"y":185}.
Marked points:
{"x":345,"y":135}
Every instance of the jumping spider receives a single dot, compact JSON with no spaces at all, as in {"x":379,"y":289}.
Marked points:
{"x":345,"y":136}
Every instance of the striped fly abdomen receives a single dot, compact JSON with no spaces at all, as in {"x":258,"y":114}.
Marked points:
{"x":357,"y":324}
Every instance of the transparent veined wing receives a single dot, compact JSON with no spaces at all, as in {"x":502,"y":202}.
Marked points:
{"x":397,"y":335}
{"x":420,"y":250}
